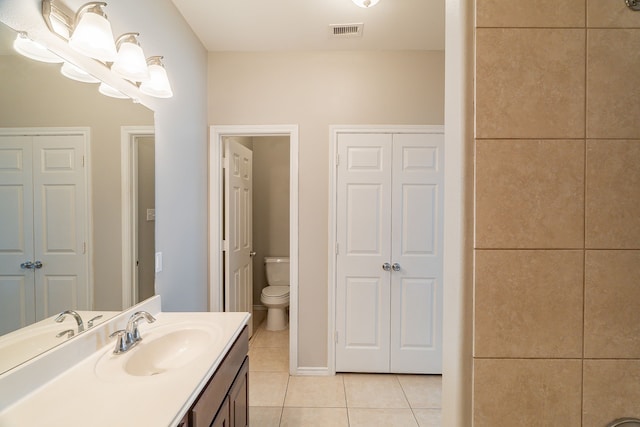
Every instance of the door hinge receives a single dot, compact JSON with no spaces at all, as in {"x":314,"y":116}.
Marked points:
{"x":337,"y":159}
{"x":337,"y":249}
{"x":335,"y":336}
{"x":225,"y":245}
{"x":225,"y":163}
{"x":82,"y":161}
{"x":84,"y":247}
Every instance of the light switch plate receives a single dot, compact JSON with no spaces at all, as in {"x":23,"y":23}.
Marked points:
{"x":151,"y":214}
{"x":158,"y":262}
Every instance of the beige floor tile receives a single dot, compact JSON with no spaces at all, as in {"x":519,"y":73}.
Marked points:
{"x":314,"y":417}
{"x":361,"y":417}
{"x":267,"y":359}
{"x":267,"y":388}
{"x":272,"y":339}
{"x":315,"y":392}
{"x":264,"y":416}
{"x":428,"y":417}
{"x":374,"y":391}
{"x":422,"y":391}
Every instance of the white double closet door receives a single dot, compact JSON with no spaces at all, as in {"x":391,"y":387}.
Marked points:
{"x":389,"y":260}
{"x":43,"y":223}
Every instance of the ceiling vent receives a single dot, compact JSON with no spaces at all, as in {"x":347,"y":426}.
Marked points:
{"x":345,"y":30}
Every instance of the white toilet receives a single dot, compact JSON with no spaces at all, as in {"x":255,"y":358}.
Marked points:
{"x":275,"y":296}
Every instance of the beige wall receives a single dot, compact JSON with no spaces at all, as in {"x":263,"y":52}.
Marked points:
{"x":557,"y":230}
{"x":35,"y":94}
{"x":270,"y":204}
{"x":146,"y":228}
{"x":315,"y":90}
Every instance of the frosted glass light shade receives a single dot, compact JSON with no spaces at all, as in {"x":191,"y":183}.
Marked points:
{"x":130,"y":62}
{"x":158,"y":84}
{"x":27,"y":47}
{"x":92,"y":35}
{"x":107,"y":90}
{"x":76,"y":73}
{"x":366,"y":3}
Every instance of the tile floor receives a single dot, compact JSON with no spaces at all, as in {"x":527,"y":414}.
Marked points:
{"x":345,"y":400}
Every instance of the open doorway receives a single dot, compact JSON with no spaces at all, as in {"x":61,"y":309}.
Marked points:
{"x":258,"y":135}
{"x":138,"y":214}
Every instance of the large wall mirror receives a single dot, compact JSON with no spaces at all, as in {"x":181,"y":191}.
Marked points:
{"x":39,"y":109}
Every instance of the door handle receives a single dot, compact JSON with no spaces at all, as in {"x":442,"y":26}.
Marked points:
{"x":252,"y":254}
{"x":395,"y":266}
{"x":37,"y":265}
{"x":386,"y":266}
{"x":27,"y":265}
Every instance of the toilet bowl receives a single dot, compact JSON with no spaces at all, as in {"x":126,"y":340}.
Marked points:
{"x":275,"y":296}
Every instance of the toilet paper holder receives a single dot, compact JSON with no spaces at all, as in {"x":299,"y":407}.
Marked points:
{"x":625,"y":422}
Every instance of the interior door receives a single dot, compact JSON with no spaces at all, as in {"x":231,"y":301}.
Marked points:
{"x":59,"y":223}
{"x":389,"y":254}
{"x":43,"y":216}
{"x":238,"y":283}
{"x":417,"y":234}
{"x":364,"y":247}
{"x":17,"y":300}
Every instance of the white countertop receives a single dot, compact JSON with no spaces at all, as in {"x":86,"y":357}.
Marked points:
{"x":84,"y":395}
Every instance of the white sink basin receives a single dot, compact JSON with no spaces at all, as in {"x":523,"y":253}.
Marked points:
{"x":170,"y":351}
{"x":163,"y":350}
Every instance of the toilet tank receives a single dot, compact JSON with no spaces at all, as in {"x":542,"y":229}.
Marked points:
{"x":277,"y":269}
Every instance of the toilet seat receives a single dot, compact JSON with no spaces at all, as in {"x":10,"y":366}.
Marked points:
{"x":275,"y":295}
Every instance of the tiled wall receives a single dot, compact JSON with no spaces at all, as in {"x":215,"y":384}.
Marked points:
{"x":557,"y":223}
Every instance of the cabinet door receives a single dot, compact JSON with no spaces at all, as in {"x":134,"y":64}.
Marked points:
{"x":239,"y":397}
{"x":222,"y":418}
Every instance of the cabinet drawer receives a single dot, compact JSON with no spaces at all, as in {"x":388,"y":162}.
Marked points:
{"x":216,"y":390}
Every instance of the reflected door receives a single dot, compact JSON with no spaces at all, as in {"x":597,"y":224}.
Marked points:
{"x":389,"y":261}
{"x":43,"y":214}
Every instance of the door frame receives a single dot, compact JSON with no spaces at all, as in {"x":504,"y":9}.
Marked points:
{"x":85,"y":132}
{"x":335,"y":131}
{"x":128,"y":180}
{"x":216,"y":192}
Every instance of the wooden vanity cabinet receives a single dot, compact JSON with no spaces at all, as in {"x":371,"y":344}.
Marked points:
{"x":224,"y":402}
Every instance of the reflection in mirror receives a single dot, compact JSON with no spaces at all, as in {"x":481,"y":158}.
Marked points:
{"x":60,"y":202}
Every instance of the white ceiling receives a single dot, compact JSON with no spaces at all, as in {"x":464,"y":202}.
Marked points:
{"x":267,"y":25}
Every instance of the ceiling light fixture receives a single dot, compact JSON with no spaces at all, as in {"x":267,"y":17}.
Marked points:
{"x":365,"y":3}
{"x":130,"y":62}
{"x":158,"y":84}
{"x":107,"y":90}
{"x":27,"y":47}
{"x":92,"y":35}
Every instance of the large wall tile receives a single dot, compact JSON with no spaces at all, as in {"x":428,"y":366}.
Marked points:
{"x":611,"y":314}
{"x":527,"y":392}
{"x":613,"y":83}
{"x":530,"y":83}
{"x":611,"y":391}
{"x":528,"y":304}
{"x":613,"y":194}
{"x":529,"y":194}
{"x":611,"y":13}
{"x":541,"y":13}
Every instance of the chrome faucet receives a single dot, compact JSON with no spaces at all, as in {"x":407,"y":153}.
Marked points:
{"x":75,"y":315}
{"x":129,"y":337}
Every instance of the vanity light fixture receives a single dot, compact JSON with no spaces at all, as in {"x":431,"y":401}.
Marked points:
{"x":107,"y":90}
{"x":365,"y":3}
{"x":158,"y":84}
{"x":92,"y":35}
{"x":130,"y":62}
{"x":27,"y":47}
{"x":76,"y":73}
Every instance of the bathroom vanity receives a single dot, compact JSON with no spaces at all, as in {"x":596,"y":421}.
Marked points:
{"x":189,"y":369}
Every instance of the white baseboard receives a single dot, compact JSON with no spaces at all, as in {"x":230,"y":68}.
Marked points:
{"x":312,"y":372}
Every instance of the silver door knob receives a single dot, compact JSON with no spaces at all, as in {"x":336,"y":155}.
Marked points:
{"x":252,"y":254}
{"x":395,"y":266}
{"x":37,"y":264}
{"x":27,"y":265}
{"x":386,"y":266}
